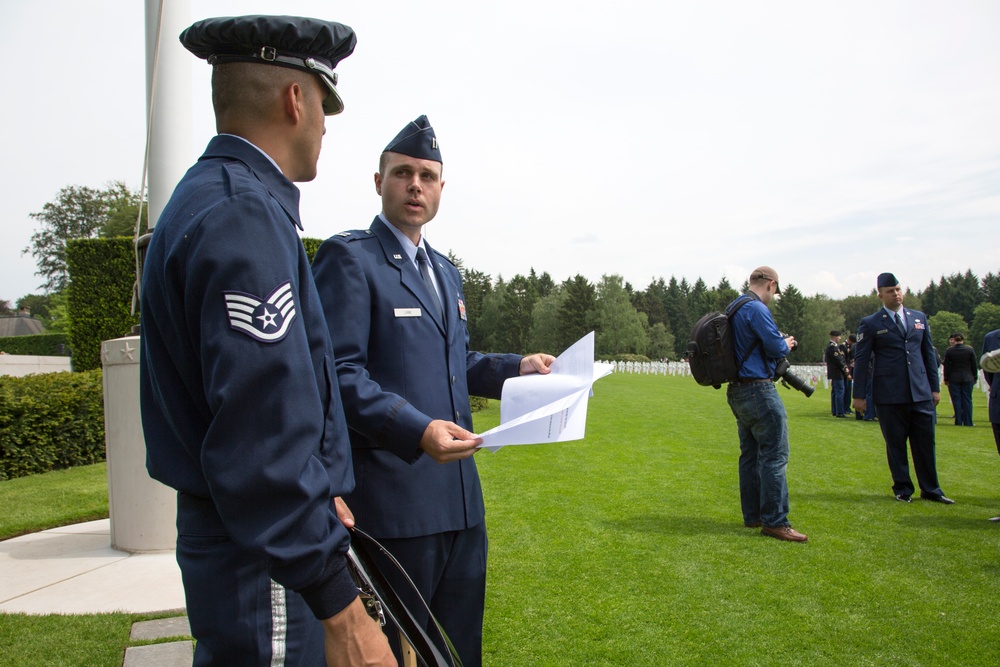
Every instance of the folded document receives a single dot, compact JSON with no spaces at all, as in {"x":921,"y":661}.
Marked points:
{"x":536,"y":408}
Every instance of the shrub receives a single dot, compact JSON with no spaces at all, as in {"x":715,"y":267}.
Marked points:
{"x":641,"y":358}
{"x":43,"y":345}
{"x":50,"y":421}
{"x":102,"y":275}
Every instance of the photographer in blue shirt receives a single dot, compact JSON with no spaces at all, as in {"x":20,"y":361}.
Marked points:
{"x":760,"y":415}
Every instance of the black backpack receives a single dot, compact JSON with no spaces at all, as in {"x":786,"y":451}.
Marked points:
{"x":711,"y":353}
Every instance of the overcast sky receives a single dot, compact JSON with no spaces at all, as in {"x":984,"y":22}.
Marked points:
{"x":831,"y":140}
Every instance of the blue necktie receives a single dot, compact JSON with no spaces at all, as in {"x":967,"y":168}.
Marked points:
{"x":425,"y":273}
{"x":899,"y":325}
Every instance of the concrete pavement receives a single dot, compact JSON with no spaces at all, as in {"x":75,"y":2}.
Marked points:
{"x":74,"y":570}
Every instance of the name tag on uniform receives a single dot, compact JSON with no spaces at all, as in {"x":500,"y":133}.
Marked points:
{"x":882,"y":332}
{"x":406,"y":312}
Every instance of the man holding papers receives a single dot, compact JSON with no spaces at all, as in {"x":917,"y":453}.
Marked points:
{"x":397,"y":318}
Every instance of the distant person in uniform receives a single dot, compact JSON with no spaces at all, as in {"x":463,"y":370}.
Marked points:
{"x":836,"y":373}
{"x":895,"y":347}
{"x":239,"y":402}
{"x":960,"y":374}
{"x":398,"y":320}
{"x":869,"y":413}
{"x":761,"y":420}
{"x":991,"y":343}
{"x":847,"y":347}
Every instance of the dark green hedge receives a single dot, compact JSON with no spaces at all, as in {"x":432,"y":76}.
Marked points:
{"x":102,"y":274}
{"x":641,"y":358}
{"x":50,"y":421}
{"x":311,"y":246}
{"x":43,"y":345}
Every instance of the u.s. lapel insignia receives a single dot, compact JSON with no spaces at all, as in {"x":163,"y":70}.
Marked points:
{"x":266,"y":320}
{"x":396,"y":255}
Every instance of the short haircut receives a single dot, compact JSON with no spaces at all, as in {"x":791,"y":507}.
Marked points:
{"x":242,"y":91}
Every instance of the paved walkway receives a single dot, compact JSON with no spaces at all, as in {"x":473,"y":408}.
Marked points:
{"x":74,"y":570}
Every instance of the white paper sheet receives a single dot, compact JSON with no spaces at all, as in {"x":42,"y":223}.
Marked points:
{"x":536,"y":409}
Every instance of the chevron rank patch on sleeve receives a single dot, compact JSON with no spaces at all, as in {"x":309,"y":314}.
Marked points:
{"x":266,"y":320}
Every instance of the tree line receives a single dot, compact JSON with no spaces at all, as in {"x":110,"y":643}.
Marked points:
{"x":534,"y":313}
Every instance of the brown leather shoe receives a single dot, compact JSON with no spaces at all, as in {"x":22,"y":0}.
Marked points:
{"x":784,"y":533}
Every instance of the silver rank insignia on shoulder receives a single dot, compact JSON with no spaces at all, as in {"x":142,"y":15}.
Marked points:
{"x":266,"y":320}
{"x":343,"y":234}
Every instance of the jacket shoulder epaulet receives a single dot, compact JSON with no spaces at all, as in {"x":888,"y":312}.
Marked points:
{"x":444,"y":257}
{"x":355,"y":235}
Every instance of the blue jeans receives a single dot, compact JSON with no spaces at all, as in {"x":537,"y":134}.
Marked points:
{"x":763,"y":429}
{"x":837,"y":397}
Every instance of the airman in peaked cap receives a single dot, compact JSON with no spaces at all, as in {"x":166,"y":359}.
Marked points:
{"x":287,"y":41}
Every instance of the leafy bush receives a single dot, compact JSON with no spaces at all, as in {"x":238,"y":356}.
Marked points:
{"x":478,"y":403}
{"x":100,"y":295}
{"x":311,"y":245}
{"x":43,"y":345}
{"x":50,"y":421}
{"x":641,"y":358}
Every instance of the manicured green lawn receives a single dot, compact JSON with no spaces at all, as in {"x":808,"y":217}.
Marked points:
{"x":57,"y":498}
{"x":627,"y":548}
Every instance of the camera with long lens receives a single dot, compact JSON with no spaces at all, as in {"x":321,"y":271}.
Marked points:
{"x":790,"y":379}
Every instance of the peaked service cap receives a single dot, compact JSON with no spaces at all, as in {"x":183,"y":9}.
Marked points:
{"x":417,"y":140}
{"x":886,"y":280}
{"x":288,"y":41}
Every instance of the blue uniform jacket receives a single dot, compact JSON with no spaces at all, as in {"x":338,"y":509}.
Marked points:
{"x":905,"y":369}
{"x":238,"y":410}
{"x":992,"y":342}
{"x":399,"y":368}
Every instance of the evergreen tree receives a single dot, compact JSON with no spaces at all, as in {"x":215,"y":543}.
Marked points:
{"x":516,"y":307}
{"x":576,"y":311}
{"x":991,"y":288}
{"x":790,"y":315}
{"x":491,"y":328}
{"x":678,"y":315}
{"x":476,"y":285}
{"x":724,"y":295}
